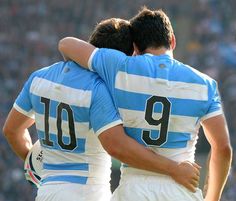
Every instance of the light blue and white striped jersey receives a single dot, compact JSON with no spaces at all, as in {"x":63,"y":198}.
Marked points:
{"x":71,"y":107}
{"x":161,"y":100}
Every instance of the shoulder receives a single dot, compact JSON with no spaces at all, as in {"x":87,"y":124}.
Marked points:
{"x":193,"y":75}
{"x":46,"y":69}
{"x":108,"y":51}
{"x":106,"y":54}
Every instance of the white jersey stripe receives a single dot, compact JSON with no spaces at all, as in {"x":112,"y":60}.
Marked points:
{"x":62,"y":93}
{"x":69,"y":172}
{"x":69,"y":157}
{"x":81,"y":128}
{"x":166,"y":88}
{"x":65,"y":172}
{"x":135,"y":119}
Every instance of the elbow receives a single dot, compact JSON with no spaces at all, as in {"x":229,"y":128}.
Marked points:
{"x":9,"y":131}
{"x":61,"y":45}
{"x":6,"y":131}
{"x":114,"y":149}
{"x":114,"y":152}
{"x":225,"y":150}
{"x":227,"y":153}
{"x":113,"y":140}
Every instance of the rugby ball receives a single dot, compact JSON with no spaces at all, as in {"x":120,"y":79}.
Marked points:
{"x":33,"y":164}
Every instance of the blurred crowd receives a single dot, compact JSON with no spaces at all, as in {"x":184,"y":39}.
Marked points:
{"x":30,"y":30}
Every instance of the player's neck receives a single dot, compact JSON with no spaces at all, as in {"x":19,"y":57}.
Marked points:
{"x":159,"y":51}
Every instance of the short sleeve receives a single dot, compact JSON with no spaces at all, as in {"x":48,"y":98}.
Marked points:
{"x":106,"y":63}
{"x":214,"y":102}
{"x":23,"y":101}
{"x":103,"y":114}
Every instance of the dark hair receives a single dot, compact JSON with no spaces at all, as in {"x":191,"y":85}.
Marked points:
{"x":151,"y":29}
{"x":113,"y":33}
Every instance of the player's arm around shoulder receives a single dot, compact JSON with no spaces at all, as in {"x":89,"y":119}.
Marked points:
{"x":217,"y":134}
{"x":120,"y":146}
{"x":76,"y":50}
{"x":16,"y":132}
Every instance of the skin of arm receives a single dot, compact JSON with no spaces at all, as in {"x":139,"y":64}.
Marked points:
{"x":122,"y":147}
{"x":76,"y":50}
{"x":217,"y":134}
{"x":207,"y":175}
{"x":16,"y":132}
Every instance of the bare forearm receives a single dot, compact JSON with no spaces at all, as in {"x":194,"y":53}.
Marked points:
{"x":207,"y":175}
{"x":20,"y":143}
{"x":219,"y":165}
{"x":127,"y":150}
{"x":138,"y":156}
{"x":76,"y":50}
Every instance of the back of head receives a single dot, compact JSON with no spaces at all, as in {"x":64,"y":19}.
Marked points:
{"x":113,"y":33}
{"x":151,"y":29}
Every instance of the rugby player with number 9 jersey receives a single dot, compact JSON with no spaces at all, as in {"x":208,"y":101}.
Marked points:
{"x":163,"y":103}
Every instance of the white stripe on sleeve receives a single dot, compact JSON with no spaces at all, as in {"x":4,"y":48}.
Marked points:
{"x":91,"y":59}
{"x":112,"y":124}
{"x":28,"y":114}
{"x":212,"y":114}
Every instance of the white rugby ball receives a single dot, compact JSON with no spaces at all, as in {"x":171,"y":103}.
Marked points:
{"x":33,"y":165}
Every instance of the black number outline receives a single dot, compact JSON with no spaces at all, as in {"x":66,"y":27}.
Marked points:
{"x":72,"y":144}
{"x":46,"y":103}
{"x":60,"y":107}
{"x":163,"y":121}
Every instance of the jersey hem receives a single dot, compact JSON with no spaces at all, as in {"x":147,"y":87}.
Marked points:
{"x":114,"y":123}
{"x":212,"y":114}
{"x":19,"y":109}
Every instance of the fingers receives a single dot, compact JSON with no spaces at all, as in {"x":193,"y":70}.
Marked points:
{"x":189,"y":175}
{"x":195,"y":179}
{"x":197,"y":166}
{"x":197,"y":169}
{"x":190,"y":187}
{"x":193,"y":188}
{"x":195,"y":183}
{"x":191,"y":182}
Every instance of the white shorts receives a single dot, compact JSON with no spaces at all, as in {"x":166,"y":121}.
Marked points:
{"x":153,"y":188}
{"x":73,"y":192}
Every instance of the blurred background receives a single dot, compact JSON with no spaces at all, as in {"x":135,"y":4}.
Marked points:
{"x":29,"y":33}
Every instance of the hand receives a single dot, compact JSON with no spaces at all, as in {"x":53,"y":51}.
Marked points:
{"x":188,"y":175}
